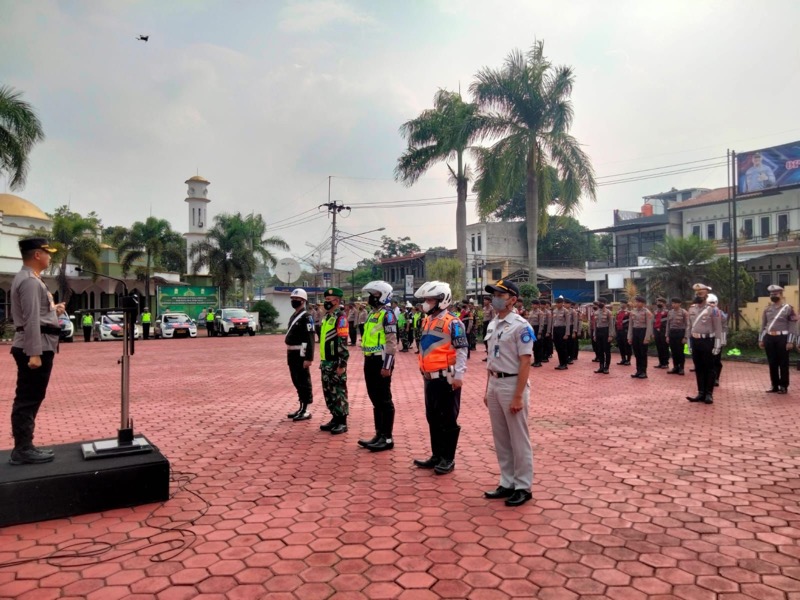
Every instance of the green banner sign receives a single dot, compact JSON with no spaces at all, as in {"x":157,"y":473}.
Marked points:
{"x":192,"y":300}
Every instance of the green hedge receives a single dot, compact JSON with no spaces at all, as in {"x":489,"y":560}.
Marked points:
{"x":744,"y":339}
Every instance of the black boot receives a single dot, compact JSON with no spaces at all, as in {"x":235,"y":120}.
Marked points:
{"x":449,"y":444}
{"x":303,"y":414}
{"x":386,"y":442}
{"x":292,"y":415}
{"x":340,"y":426}
{"x":701,"y":396}
{"x":436,"y":450}
{"x":329,"y":425}
{"x":376,"y":418}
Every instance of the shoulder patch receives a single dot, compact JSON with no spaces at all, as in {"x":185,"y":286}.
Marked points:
{"x":390,"y":318}
{"x":527,"y":335}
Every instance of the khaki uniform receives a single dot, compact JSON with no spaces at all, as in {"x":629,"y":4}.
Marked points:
{"x":640,"y":332}
{"x":560,"y":325}
{"x":603,"y":330}
{"x":778,"y":328}
{"x":704,"y":331}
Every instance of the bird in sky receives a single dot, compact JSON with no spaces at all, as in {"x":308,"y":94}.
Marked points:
{"x":143,"y":38}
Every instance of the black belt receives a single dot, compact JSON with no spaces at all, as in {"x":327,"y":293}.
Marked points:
{"x":48,"y":329}
{"x":502,"y":375}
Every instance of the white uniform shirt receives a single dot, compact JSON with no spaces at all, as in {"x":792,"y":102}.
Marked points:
{"x":512,"y":337}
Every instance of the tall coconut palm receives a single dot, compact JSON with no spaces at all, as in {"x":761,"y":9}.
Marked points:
{"x":74,"y":236}
{"x":527,"y":106}
{"x":678,"y":263}
{"x":148,"y":242}
{"x":255,"y":230}
{"x":20,"y":129}
{"x":443,"y":134}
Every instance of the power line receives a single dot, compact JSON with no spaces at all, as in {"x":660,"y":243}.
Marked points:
{"x":302,"y":222}
{"x":691,"y":162}
{"x":665,"y":174}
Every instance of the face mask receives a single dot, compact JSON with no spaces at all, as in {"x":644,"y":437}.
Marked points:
{"x":660,"y":305}
{"x":373,"y":301}
{"x":601,"y":306}
{"x":498,"y":303}
{"x":428,"y":307}
{"x":297,"y":303}
{"x":698,"y":300}
{"x":775,"y":298}
{"x":327,"y":304}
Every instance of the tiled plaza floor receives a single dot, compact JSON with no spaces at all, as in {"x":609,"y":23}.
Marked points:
{"x":637,"y":493}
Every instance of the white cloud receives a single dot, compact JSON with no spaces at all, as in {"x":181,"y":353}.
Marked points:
{"x":309,"y":17}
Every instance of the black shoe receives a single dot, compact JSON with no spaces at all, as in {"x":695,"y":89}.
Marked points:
{"x":570,"y":361}
{"x":45,"y":451}
{"x":500,"y":492}
{"x":691,"y":370}
{"x":537,"y":365}
{"x":339,"y":428}
{"x":445,"y":466}
{"x":303,"y":416}
{"x":659,"y":367}
{"x":29,"y":456}
{"x":605,"y":371}
{"x":595,"y":360}
{"x":773,"y":390}
{"x":641,"y":376}
{"x":716,"y":383}
{"x":672,"y":372}
{"x":427,"y":464}
{"x":698,"y":398}
{"x":381,"y":445}
{"x":482,"y":360}
{"x":680,"y":372}
{"x":600,"y":370}
{"x":635,"y":375}
{"x":782,"y":390}
{"x":365,"y":443}
{"x":292,"y":415}
{"x":519,"y":498}
{"x":561,"y":368}
{"x":709,"y":399}
{"x":329,"y":425}
{"x":545,"y":360}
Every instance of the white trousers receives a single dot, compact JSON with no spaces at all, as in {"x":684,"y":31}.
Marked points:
{"x":512,"y":441}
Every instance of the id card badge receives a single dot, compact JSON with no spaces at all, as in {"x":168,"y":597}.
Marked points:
{"x":496,"y":351}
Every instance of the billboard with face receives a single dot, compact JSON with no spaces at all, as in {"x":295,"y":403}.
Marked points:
{"x":768,"y":169}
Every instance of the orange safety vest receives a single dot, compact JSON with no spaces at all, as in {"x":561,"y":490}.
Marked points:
{"x":436,"y":348}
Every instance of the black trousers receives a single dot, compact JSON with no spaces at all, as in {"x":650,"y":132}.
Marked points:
{"x":640,"y":349}
{"x":594,"y":349}
{"x":484,"y":328}
{"x":703,"y":359}
{"x":548,"y":346}
{"x":30,"y":393}
{"x":561,"y":345}
{"x":662,"y":347}
{"x":353,"y":332}
{"x":603,"y":347}
{"x":442,"y":405}
{"x":676,"y":348}
{"x":145,"y":331}
{"x":379,"y":390}
{"x":624,"y":346}
{"x":572,"y":346}
{"x":301,"y":378}
{"x":538,"y":347}
{"x":87,"y":334}
{"x":778,"y":358}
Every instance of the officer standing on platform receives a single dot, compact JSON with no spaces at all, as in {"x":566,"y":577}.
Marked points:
{"x":603,"y":334}
{"x":87,"y":322}
{"x":146,"y":320}
{"x":35,"y":342}
{"x":560,"y":326}
{"x":210,"y":321}
{"x":333,"y":356}
{"x":660,"y":333}
{"x":300,"y":353}
{"x":676,"y":329}
{"x":704,"y":330}
{"x":640,"y":332}
{"x":623,"y":319}
{"x":379,"y":344}
{"x":443,"y":363}
{"x":778,"y":336}
{"x":507,"y":395}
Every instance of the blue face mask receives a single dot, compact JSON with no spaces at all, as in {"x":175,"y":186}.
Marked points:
{"x":498,"y":303}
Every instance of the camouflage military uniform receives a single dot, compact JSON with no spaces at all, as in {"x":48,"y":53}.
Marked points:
{"x":334,"y":355}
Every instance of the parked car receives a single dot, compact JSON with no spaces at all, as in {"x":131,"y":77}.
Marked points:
{"x":109,"y":327}
{"x":172,"y":325}
{"x":67,"y":334}
{"x":233,"y":321}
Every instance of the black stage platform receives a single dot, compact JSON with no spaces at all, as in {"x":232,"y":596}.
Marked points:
{"x":71,"y":485}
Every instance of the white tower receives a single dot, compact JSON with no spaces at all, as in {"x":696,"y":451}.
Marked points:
{"x":197,"y":198}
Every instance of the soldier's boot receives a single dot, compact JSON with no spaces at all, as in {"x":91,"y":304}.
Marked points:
{"x":449,"y":444}
{"x":385,"y":441}
{"x":329,"y":425}
{"x":292,"y":415}
{"x":376,"y":417}
{"x":436,"y":449}
{"x":340,"y":426}
{"x":303,"y":415}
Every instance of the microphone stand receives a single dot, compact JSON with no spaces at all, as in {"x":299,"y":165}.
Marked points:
{"x":126,"y":442}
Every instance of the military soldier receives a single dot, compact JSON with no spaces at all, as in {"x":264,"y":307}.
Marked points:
{"x":379,"y":344}
{"x":87,"y":322}
{"x":443,"y":363}
{"x":660,"y":333}
{"x":676,"y":328}
{"x":333,"y":356}
{"x":560,"y":326}
{"x":35,"y":342}
{"x":778,"y":335}
{"x":640,"y":332}
{"x":507,"y":395}
{"x":704,"y":330}
{"x":300,"y":353}
{"x":603,"y":334}
{"x":623,"y":319}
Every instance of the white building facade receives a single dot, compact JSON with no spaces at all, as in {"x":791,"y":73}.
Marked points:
{"x":197,"y":200}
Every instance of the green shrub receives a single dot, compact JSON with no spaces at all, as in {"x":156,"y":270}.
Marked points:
{"x":267,"y":314}
{"x":744,"y":339}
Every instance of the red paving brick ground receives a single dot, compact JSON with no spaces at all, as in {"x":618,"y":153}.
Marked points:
{"x":638,"y":493}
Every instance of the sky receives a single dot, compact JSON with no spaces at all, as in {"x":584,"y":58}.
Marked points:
{"x":271,"y":101}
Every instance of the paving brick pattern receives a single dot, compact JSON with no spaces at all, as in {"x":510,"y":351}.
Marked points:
{"x":637,"y":494}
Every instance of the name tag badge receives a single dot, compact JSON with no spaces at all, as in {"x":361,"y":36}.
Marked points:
{"x":496,"y":351}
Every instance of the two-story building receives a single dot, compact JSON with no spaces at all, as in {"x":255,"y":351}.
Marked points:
{"x":406,"y":273}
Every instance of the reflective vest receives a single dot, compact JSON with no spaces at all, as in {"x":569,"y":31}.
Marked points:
{"x":210,"y":316}
{"x":374,"y":338}
{"x":401,"y":320}
{"x":87,"y":320}
{"x":146,"y":317}
{"x":415,"y":320}
{"x":335,"y":320}
{"x":436,"y":348}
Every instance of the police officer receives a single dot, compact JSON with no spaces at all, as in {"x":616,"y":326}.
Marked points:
{"x":676,"y":330}
{"x":379,"y":344}
{"x":623,"y":321}
{"x":704,"y":330}
{"x":713,"y":301}
{"x":778,"y":336}
{"x":416,"y":323}
{"x":535,"y":319}
{"x":402,"y":329}
{"x":87,"y":322}
{"x":660,"y":333}
{"x":35,"y":342}
{"x":560,"y":326}
{"x":603,"y":334}
{"x":507,"y":395}
{"x":575,"y":332}
{"x":210,"y":321}
{"x":146,"y":319}
{"x":546,"y":329}
{"x":300,"y":353}
{"x":488,"y":315}
{"x":592,"y":318}
{"x":640,"y":332}
{"x":443,"y":363}
{"x":333,"y":356}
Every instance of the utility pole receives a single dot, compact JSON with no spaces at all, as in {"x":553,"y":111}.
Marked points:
{"x":334,"y":208}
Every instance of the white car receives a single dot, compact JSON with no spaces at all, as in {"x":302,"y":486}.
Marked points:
{"x":234,"y":321}
{"x":109,"y":327}
{"x":65,"y":321}
{"x":172,"y":325}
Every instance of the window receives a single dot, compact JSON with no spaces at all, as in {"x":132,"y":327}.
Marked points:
{"x":783,"y":226}
{"x":765,"y":227}
{"x":392,"y":274}
{"x":497,"y":274}
{"x":696,"y":230}
{"x":711,"y":231}
{"x":726,"y":230}
{"x":192,"y":216}
{"x":474,"y":272}
{"x":479,"y":242}
{"x":747,"y":229}
{"x":783,"y":279}
{"x":472,"y":239}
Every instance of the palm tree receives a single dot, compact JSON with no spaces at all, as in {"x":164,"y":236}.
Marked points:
{"x":20,"y":129}
{"x":255,"y":230}
{"x":442,"y":133}
{"x":529,"y":108}
{"x":148,"y":241}
{"x":678,"y":263}
{"x":74,"y":236}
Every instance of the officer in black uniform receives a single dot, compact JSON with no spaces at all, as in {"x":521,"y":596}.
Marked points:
{"x":35,"y":343}
{"x":300,"y":353}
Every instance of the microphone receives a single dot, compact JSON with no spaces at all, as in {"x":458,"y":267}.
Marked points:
{"x":122,"y":281}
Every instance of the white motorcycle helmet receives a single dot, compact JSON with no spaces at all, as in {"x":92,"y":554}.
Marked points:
{"x":436,"y":289}
{"x":380,"y":288}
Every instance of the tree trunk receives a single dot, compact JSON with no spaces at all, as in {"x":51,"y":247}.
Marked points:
{"x":461,"y":220}
{"x":532,"y":216}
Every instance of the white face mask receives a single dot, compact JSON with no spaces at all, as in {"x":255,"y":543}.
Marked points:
{"x":428,"y":306}
{"x":499,"y":303}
